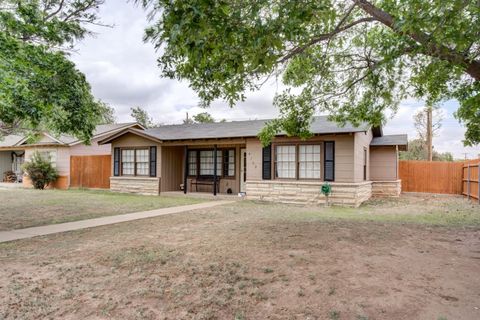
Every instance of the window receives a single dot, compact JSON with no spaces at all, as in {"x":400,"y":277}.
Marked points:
{"x":309,"y":161}
{"x":192,"y":163}
{"x":285,"y":162}
{"x":128,"y":162}
{"x":207,"y":164}
{"x":50,"y":155}
{"x":364,"y":163}
{"x":135,"y":162}
{"x":141,"y":160}
{"x":329,"y":163}
{"x":229,"y":164}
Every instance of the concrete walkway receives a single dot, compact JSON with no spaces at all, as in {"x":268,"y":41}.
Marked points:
{"x":83,"y":224}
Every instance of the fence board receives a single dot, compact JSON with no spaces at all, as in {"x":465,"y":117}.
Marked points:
{"x":471,"y":179}
{"x":431,"y":177}
{"x":90,"y":171}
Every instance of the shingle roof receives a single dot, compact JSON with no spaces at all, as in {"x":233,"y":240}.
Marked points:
{"x":13,"y":140}
{"x":10,"y":140}
{"x":237,"y":129}
{"x":390,"y":140}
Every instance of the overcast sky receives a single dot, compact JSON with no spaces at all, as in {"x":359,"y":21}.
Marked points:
{"x":123,"y":72}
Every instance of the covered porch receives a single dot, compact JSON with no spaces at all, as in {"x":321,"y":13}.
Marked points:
{"x":204,"y":167}
{"x":11,"y":161}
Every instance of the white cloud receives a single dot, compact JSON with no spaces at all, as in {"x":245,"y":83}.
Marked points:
{"x":123,"y":72}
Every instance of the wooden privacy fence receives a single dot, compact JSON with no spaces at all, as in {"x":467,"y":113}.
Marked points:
{"x":90,"y":171}
{"x":471,"y":180}
{"x":431,"y":177}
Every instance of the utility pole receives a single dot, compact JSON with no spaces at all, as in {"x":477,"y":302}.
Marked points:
{"x":465,"y":154}
{"x":186,"y":118}
{"x":429,"y":134}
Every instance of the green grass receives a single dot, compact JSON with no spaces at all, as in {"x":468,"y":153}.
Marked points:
{"x":439,"y":212}
{"x":22,"y":208}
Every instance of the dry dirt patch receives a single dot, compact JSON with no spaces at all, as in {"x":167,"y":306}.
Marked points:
{"x":249,"y":261}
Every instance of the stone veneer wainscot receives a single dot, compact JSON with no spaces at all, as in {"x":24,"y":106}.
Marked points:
{"x":306,"y":192}
{"x":141,"y":185}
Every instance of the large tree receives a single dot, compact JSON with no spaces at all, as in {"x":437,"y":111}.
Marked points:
{"x":354,"y":59}
{"x":141,"y":116}
{"x":427,"y":122}
{"x":40,"y":88}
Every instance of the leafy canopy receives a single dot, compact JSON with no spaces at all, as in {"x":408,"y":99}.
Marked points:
{"x":40,"y":88}
{"x":354,"y":59}
{"x":418,"y":150}
{"x":141,"y":116}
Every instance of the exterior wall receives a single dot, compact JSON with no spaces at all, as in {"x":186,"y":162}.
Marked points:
{"x":130,"y":140}
{"x":90,"y":150}
{"x":344,"y":156}
{"x":5,"y":162}
{"x":146,"y":186}
{"x":383,"y":163}
{"x":302,"y":192}
{"x":62,"y":162}
{"x":362,"y":142}
{"x":386,"y":188}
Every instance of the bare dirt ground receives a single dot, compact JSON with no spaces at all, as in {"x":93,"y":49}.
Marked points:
{"x":412,"y":258}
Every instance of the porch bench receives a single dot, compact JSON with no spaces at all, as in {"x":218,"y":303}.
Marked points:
{"x":204,"y":181}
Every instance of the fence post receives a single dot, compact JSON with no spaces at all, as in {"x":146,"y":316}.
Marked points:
{"x":468,"y":181}
{"x":478,"y":182}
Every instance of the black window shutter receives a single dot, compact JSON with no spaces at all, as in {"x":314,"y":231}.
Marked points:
{"x":116,"y":162}
{"x":329,"y":163}
{"x":267,"y":163}
{"x":153,"y":161}
{"x":225,"y":163}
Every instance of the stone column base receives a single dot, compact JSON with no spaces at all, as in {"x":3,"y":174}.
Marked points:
{"x":386,"y":188}
{"x":140,"y":185}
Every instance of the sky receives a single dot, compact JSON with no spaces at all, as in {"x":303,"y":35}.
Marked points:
{"x":123,"y":72}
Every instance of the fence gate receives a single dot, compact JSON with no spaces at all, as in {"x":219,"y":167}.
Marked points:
{"x":471,"y":180}
{"x":90,"y":171}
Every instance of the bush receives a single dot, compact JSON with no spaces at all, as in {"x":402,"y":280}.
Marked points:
{"x":40,"y":171}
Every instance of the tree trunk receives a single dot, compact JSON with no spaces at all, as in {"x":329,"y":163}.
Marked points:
{"x":429,"y":134}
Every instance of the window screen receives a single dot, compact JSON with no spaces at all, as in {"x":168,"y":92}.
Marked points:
{"x":128,"y":162}
{"x":309,"y":161}
{"x":329,"y":161}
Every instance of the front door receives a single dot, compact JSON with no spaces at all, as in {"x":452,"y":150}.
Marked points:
{"x":243,"y":169}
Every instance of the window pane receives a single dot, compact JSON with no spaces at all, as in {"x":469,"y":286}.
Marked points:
{"x":128,"y":164}
{"x":142,"y":160}
{"x":192,"y":163}
{"x":309,"y":161}
{"x":285,"y":161}
{"x":207,"y":164}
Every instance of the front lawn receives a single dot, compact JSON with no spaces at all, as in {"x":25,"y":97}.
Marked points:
{"x":410,"y":258}
{"x":22,"y":208}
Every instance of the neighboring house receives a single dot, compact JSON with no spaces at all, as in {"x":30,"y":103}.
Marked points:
{"x":15,"y":150}
{"x":358,"y":162}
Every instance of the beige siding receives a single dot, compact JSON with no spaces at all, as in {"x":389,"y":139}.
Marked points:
{"x":61,"y":155}
{"x":362,"y":142}
{"x":344,"y":155}
{"x":383,"y":163}
{"x":94,"y":149}
{"x":130,"y":140}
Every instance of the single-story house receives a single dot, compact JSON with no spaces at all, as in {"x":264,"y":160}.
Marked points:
{"x":228,"y":158}
{"x":16,"y":149}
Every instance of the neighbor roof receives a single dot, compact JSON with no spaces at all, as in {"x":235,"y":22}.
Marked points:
{"x":103,"y":129}
{"x":390,"y":140}
{"x":239,"y":129}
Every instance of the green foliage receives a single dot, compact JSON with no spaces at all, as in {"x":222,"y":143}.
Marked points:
{"x":106,"y":113}
{"x":353,"y":59}
{"x":417,"y":150}
{"x":40,"y":170}
{"x":141,"y":116}
{"x":39,"y":87}
{"x":203,"y":117}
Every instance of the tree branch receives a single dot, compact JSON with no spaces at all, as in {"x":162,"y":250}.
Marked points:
{"x":429,"y":47}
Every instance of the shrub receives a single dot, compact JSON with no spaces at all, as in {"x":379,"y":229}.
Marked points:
{"x":40,"y":170}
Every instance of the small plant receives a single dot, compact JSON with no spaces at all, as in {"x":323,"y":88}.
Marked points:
{"x":334,"y":315}
{"x":40,"y":170}
{"x":326,"y":190}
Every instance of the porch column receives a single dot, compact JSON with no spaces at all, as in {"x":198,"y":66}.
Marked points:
{"x":185,"y":175}
{"x":215,"y":170}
